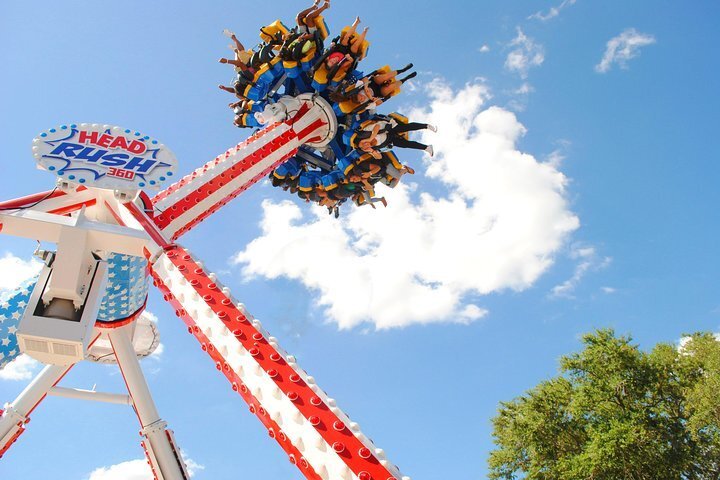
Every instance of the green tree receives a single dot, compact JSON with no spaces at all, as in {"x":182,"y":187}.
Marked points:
{"x":616,"y":412}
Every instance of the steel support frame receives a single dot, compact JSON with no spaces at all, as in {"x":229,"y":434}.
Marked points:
{"x":164,"y":456}
{"x":159,"y":444}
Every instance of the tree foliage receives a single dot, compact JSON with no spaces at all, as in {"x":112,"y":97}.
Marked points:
{"x":616,"y":412}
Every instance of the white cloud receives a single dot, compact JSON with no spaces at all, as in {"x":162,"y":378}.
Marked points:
{"x":14,"y":271}
{"x":192,"y":466}
{"x":472,"y":312}
{"x":484,"y":49}
{"x":151,"y":316}
{"x":524,"y":55}
{"x":132,"y":470}
{"x":608,"y":290}
{"x":519,"y":97}
{"x":158,"y":351}
{"x":587,"y":260}
{"x":22,"y":368}
{"x":524,"y":89}
{"x":622,"y":48}
{"x":682,"y":343}
{"x":557,"y":156}
{"x":553,"y":12}
{"x":500,"y":217}
{"x":136,"y":470}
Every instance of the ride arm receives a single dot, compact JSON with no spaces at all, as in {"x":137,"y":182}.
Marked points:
{"x":186,"y":203}
{"x":55,"y":201}
{"x":319,"y":438}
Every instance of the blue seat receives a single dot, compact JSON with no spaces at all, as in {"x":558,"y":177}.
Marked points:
{"x":291,"y":168}
{"x":332,"y":179}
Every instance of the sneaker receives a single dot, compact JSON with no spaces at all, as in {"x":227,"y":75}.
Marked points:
{"x":430,"y":150}
{"x":405,"y":68}
{"x":409,"y":77}
{"x":432,"y":128}
{"x":228,"y":33}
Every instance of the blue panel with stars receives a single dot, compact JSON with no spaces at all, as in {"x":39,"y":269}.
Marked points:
{"x":12,"y":308}
{"x":126,"y":289}
{"x":125,"y":294}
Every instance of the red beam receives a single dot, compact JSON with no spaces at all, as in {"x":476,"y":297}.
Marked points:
{"x":29,"y":200}
{"x":350,"y":449}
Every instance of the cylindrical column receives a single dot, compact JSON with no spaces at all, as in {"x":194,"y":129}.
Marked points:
{"x":33,"y":394}
{"x":164,"y":458}
{"x":185,"y":204}
{"x":91,"y":395}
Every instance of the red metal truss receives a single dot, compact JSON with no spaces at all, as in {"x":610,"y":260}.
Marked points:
{"x":23,"y":413}
{"x":188,"y":202}
{"x":318,"y":437}
{"x":13,"y":439}
{"x":30,"y":200}
{"x":55,"y":201}
{"x":274,"y":430}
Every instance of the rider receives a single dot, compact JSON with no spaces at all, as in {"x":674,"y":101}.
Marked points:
{"x":306,"y":19}
{"x":242,"y":56}
{"x":386,"y":134}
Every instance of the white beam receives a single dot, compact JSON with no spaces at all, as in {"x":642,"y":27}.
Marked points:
{"x":48,"y":227}
{"x":91,"y":395}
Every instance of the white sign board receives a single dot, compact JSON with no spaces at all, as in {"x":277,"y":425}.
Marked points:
{"x":104,"y":156}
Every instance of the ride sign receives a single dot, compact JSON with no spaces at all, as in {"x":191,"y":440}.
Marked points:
{"x":104,"y":156}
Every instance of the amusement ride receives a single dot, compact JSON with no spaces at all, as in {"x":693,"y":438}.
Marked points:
{"x":318,"y":136}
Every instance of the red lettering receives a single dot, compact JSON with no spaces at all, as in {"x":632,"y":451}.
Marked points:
{"x":104,"y":140}
{"x":137,"y":147}
{"x":119,"y":142}
{"x":121,"y":173}
{"x":84,"y":137}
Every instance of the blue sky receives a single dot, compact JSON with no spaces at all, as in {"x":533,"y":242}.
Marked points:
{"x":633,"y":148}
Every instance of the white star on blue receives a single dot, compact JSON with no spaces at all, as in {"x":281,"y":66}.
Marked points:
{"x":126,"y":288}
{"x":11,"y":311}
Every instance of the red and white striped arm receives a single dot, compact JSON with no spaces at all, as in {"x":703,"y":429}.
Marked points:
{"x":195,"y":197}
{"x":19,"y":429}
{"x":317,"y":436}
{"x":55,"y":201}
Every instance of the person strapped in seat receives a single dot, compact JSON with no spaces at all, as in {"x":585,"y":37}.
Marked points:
{"x":385,"y":133}
{"x":371,"y":90}
{"x":305,"y":41}
{"x":341,"y":58}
